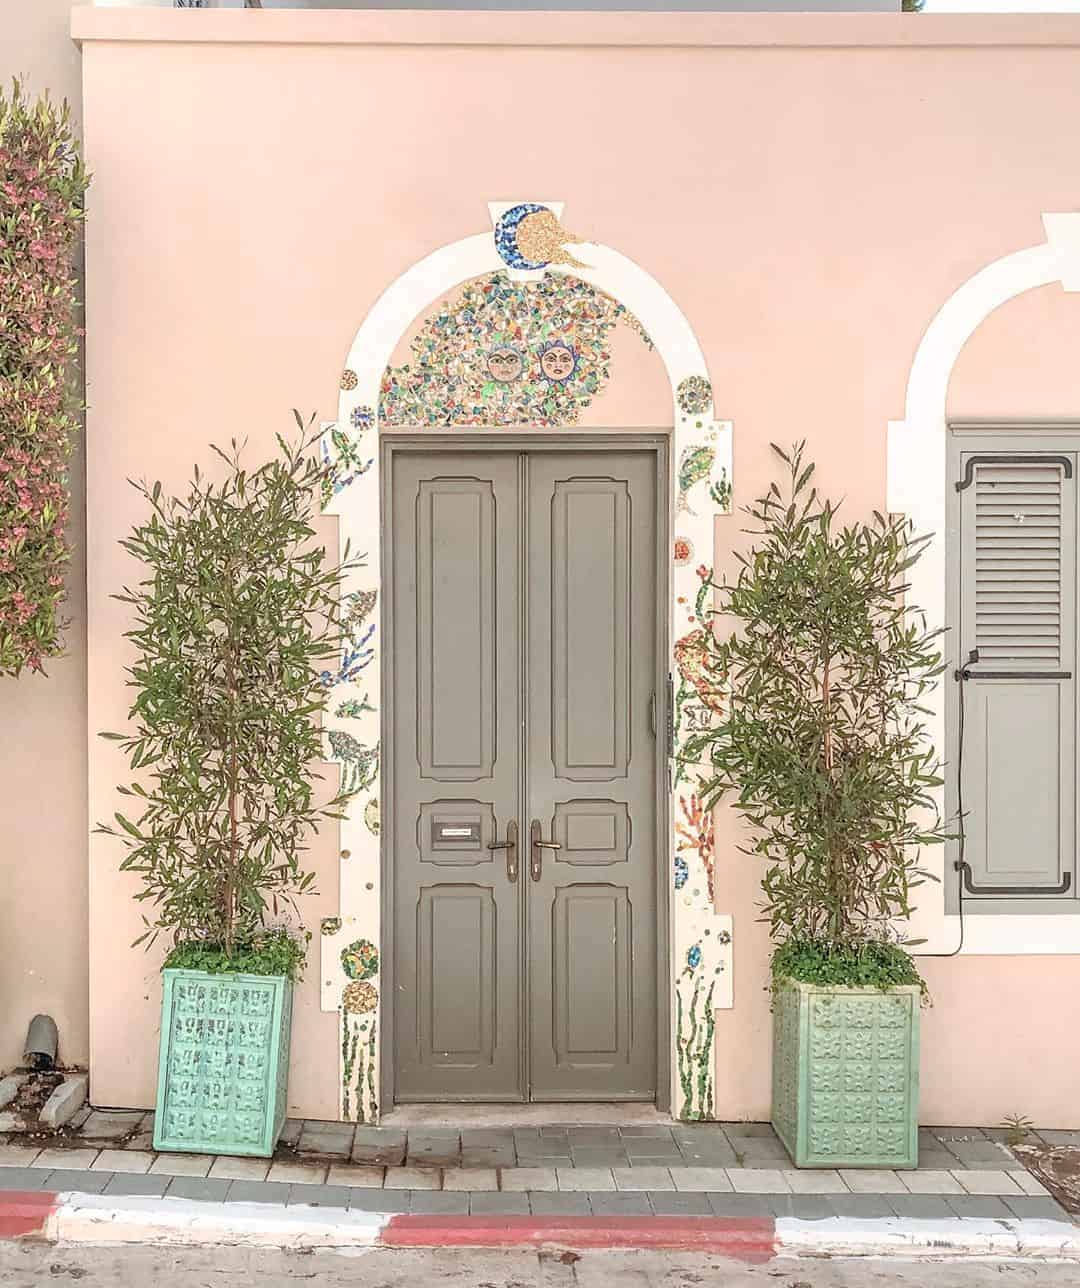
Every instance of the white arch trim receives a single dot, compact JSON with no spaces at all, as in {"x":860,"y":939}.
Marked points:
{"x":916,"y":486}
{"x":700,"y":937}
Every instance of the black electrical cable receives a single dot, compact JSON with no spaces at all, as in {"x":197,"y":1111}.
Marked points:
{"x":960,"y":675}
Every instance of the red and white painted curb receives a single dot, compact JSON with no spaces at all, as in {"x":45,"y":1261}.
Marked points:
{"x":99,"y":1219}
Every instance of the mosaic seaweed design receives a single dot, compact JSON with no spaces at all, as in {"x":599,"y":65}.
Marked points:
{"x":359,"y":764}
{"x":449,"y":379}
{"x":695,"y":1024}
{"x":359,"y":1101}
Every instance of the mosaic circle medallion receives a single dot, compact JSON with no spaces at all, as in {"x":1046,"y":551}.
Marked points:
{"x":693,"y":395}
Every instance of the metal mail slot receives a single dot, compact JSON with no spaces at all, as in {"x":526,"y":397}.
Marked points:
{"x":458,"y":832}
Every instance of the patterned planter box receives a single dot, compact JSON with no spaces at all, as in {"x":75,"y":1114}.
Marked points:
{"x":845,"y":1087}
{"x":223,"y":1064}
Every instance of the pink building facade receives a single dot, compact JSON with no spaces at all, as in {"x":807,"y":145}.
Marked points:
{"x":857,"y":230}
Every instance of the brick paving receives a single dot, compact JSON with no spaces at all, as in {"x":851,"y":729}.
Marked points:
{"x":728,"y":1169}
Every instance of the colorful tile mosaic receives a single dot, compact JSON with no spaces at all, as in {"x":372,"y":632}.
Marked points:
{"x":507,"y":353}
{"x":503,"y":349}
{"x":694,"y":395}
{"x":530,"y":236}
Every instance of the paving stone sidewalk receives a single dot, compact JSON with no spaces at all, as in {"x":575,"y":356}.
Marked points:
{"x":732,"y":1169}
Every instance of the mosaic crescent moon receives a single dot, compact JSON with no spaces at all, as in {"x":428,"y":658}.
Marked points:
{"x":529,"y":236}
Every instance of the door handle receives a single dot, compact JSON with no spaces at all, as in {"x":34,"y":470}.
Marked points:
{"x":537,"y":848}
{"x":510,"y":845}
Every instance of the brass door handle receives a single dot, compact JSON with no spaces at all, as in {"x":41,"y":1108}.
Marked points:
{"x":537,"y":848}
{"x":510,"y":845}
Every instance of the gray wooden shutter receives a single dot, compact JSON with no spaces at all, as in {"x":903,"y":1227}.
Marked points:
{"x":1018,"y":612}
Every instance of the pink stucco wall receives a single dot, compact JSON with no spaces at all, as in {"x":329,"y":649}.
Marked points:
{"x":809,"y":191}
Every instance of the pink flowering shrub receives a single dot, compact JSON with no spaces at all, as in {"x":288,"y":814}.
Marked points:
{"x":42,"y":182}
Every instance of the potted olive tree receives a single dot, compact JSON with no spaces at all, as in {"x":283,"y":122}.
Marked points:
{"x":234,"y":622}
{"x":822,"y":748}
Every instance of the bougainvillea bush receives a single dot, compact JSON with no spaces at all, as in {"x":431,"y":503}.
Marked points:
{"x":42,"y":184}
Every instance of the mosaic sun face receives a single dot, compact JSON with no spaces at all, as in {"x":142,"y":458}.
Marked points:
{"x":504,"y":365}
{"x":557,"y":362}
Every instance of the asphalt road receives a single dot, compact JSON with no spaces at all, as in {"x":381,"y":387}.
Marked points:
{"x":25,"y":1266}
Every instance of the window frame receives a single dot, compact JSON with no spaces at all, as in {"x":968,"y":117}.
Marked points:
{"x":1020,"y":437}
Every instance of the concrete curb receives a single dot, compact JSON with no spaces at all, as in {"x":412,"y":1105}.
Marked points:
{"x":959,"y":1237}
{"x":82,"y":1219}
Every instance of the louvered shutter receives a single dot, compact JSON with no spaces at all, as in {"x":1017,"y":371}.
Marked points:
{"x":1017,"y":609}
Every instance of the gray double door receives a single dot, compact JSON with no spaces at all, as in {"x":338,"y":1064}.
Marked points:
{"x":523,"y":833}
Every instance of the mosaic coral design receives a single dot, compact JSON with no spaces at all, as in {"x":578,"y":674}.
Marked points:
{"x":558,"y":327}
{"x":695,"y":829}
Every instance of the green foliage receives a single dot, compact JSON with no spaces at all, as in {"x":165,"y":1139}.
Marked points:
{"x":1018,"y":1127}
{"x":822,"y":743}
{"x":271,"y":952}
{"x":874,"y":964}
{"x":235,"y":625}
{"x":42,"y":186}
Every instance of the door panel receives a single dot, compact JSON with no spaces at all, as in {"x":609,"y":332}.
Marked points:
{"x":591,"y":658}
{"x":454,"y":552}
{"x":524,"y":605}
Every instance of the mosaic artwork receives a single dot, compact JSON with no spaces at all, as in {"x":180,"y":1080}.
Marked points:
{"x":507,"y":353}
{"x":359,"y":1047}
{"x":694,"y":395}
{"x":695,"y":1031}
{"x":505,"y":350}
{"x":529,"y":236}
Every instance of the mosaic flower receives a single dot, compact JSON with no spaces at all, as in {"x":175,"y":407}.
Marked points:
{"x":360,"y":960}
{"x":349,"y":380}
{"x":693,"y":957}
{"x":330,"y":925}
{"x":682,"y":551}
{"x":359,"y":997}
{"x":560,"y":327}
{"x":361,"y":418}
{"x":693,"y":395}
{"x":682,"y":872}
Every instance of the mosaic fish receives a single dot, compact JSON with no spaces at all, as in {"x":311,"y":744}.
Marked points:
{"x":694,"y":465}
{"x":692,"y":659}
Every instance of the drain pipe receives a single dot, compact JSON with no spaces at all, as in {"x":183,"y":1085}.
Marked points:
{"x":41,"y":1043}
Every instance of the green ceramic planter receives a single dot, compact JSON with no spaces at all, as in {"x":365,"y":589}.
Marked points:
{"x":845,"y":1087}
{"x":223,"y":1064}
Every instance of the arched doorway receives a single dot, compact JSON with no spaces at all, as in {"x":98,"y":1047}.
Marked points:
{"x":526,"y":252}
